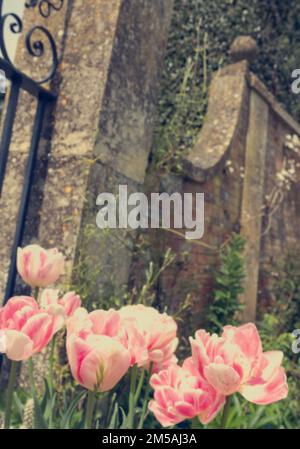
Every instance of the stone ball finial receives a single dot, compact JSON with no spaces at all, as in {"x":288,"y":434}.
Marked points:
{"x":243,"y":48}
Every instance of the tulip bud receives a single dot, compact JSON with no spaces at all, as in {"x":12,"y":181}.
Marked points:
{"x":39,"y":267}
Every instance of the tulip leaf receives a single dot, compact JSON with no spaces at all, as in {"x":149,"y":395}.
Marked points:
{"x":113,"y":421}
{"x":124,"y":419}
{"x":66,"y":420}
{"x":19,"y":404}
{"x":39,"y":420}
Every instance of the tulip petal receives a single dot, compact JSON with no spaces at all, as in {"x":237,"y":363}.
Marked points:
{"x":164,"y":417}
{"x":40,"y":329}
{"x":271,"y":385}
{"x":272,"y":391}
{"x":111,"y":360}
{"x":18,"y":346}
{"x":213,"y":408}
{"x":223,"y":378}
{"x":246,"y":337}
{"x":105,"y":322}
{"x":91,"y":370}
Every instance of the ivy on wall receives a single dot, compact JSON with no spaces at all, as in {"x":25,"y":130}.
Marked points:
{"x":200,"y":36}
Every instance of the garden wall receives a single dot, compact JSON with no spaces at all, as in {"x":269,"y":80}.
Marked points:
{"x":99,"y":131}
{"x":249,"y":172}
{"x":99,"y":135}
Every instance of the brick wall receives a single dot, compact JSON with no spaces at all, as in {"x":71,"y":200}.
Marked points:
{"x":244,"y":125}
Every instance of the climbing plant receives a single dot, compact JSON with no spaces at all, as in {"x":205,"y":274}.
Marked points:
{"x":200,"y":36}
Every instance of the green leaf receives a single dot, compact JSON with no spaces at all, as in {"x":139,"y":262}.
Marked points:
{"x":66,"y":419}
{"x":113,"y":421}
{"x":39,"y":420}
{"x":19,"y":404}
{"x":123,"y":418}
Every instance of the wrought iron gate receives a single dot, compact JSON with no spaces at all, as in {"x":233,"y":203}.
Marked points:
{"x":35,"y":40}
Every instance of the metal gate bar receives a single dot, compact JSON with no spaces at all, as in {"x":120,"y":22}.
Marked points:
{"x":8,"y":126}
{"x":19,"y":81}
{"x":28,"y":181}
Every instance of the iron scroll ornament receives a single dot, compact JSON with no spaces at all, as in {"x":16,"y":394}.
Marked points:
{"x":35,"y":46}
{"x":46,"y":7}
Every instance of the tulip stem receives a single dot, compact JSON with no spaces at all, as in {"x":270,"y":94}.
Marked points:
{"x":146,"y":400}
{"x":90,"y":410}
{"x":139,"y":387}
{"x":33,"y":391}
{"x":51,"y":364}
{"x":36,"y":294}
{"x":131,"y":407}
{"x":225,"y":414}
{"x":9,"y":393}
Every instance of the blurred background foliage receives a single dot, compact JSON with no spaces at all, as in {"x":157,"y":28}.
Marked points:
{"x":200,"y":36}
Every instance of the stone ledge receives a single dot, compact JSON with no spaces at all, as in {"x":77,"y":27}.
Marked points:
{"x":226,"y":99}
{"x":261,"y":89}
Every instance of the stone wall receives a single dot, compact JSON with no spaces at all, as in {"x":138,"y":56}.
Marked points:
{"x":99,"y":135}
{"x":100,"y":129}
{"x":236,"y":161}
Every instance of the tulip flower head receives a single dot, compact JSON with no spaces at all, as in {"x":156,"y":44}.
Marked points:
{"x":218,"y":367}
{"x":39,"y":267}
{"x":151,"y":337}
{"x":61,"y":308}
{"x":97,"y":362}
{"x":99,"y":322}
{"x":181,"y":395}
{"x":27,"y":328}
{"x":235,"y":362}
{"x":70,"y":302}
{"x":97,"y":359}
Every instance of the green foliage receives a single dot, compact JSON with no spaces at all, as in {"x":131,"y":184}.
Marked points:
{"x":88,"y":271}
{"x":274,"y":338}
{"x":286,"y":290}
{"x":182,"y":119}
{"x":245,"y":415}
{"x":146,"y":294}
{"x":276,"y":329}
{"x":228,"y":285}
{"x":200,"y":36}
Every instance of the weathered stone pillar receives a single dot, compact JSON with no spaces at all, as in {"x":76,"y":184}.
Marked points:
{"x":253,"y":199}
{"x":100,"y":134}
{"x":104,"y":122}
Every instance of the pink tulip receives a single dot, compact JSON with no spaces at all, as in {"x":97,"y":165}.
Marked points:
{"x":27,"y":328}
{"x":39,"y":267}
{"x":61,"y":308}
{"x":79,"y":323}
{"x":99,"y":322}
{"x":97,"y":359}
{"x":235,"y":362}
{"x":149,"y":336}
{"x":180,"y":395}
{"x":49,"y":302}
{"x":70,"y":302}
{"x":97,"y":362}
